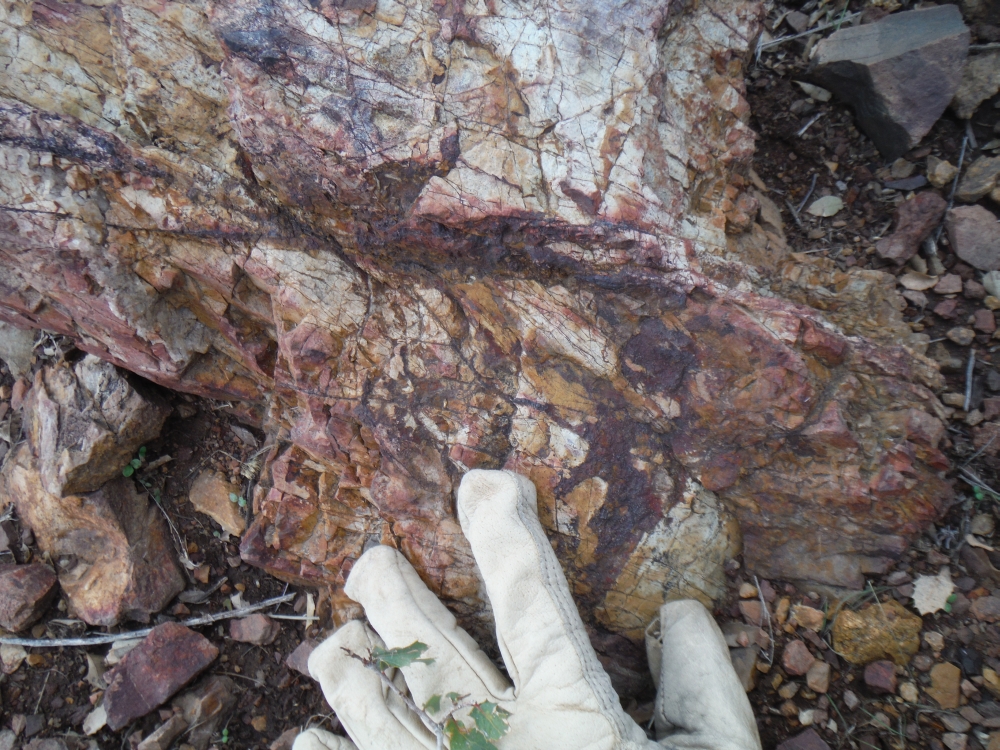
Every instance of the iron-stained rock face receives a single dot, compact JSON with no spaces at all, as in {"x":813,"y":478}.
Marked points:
{"x":437,"y":237}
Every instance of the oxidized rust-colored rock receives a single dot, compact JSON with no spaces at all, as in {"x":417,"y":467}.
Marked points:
{"x":257,"y":628}
{"x":886,"y":630}
{"x":470,"y":257}
{"x":25,"y":593}
{"x":113,"y":550}
{"x":914,"y":220}
{"x":880,"y":676}
{"x":85,"y":423}
{"x":796,"y":659}
{"x":167,"y":660}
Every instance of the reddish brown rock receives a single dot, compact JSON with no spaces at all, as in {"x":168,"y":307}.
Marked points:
{"x":974,"y":234}
{"x":900,"y":73}
{"x":299,"y":658}
{"x":796,"y":658}
{"x":25,"y":593}
{"x":985,"y":321}
{"x":257,"y":628}
{"x":112,"y":546}
{"x":950,"y":283}
{"x":148,"y":675}
{"x":991,"y":408}
{"x":752,"y":611}
{"x":914,"y":220}
{"x":986,"y":608}
{"x":880,"y":676}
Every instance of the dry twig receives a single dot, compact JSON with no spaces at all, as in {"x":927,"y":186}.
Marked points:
{"x":97,"y":640}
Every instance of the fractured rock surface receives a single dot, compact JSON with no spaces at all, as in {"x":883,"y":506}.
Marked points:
{"x":437,"y":237}
{"x":85,"y":423}
{"x":112,"y":547}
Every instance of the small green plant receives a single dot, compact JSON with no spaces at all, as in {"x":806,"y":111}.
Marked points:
{"x":238,"y":499}
{"x":225,"y":736}
{"x":489,"y":720}
{"x":135,"y":463}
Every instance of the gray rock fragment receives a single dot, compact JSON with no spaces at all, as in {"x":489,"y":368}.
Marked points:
{"x":899,"y":74}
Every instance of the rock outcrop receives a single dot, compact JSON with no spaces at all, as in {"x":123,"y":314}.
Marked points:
{"x":443,"y":236}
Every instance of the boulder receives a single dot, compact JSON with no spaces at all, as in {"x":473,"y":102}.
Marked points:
{"x":112,"y":548}
{"x":914,"y":220}
{"x":148,"y":675}
{"x":899,"y":73}
{"x":974,"y":234}
{"x":25,"y":593}
{"x":85,"y":422}
{"x":483,"y":260}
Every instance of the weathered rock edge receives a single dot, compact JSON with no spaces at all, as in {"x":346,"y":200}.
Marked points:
{"x":444,"y":236}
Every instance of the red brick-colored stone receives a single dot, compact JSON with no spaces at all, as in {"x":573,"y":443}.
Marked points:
{"x":880,"y":676}
{"x":167,"y":660}
{"x":797,"y":659}
{"x":257,"y":628}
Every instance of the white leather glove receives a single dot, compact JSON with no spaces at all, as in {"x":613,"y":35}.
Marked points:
{"x":561,"y":698}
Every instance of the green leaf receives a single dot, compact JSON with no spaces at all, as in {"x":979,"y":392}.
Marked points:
{"x":433,"y":704}
{"x":978,"y":493}
{"x":242,"y":502}
{"x":491,"y":719}
{"x":466,"y":739}
{"x":454,"y":697}
{"x":400,"y":657}
{"x":135,"y":463}
{"x":233,"y":497}
{"x":142,"y":452}
{"x":128,"y":471}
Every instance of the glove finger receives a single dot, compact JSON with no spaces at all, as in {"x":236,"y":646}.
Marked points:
{"x":401,"y":609}
{"x":700,"y":702}
{"x":374,"y":717}
{"x":317,"y":739}
{"x":541,"y":635}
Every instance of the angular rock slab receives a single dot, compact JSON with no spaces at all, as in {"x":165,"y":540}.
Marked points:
{"x":899,"y":73}
{"x":114,"y":554}
{"x":148,"y":675}
{"x":25,"y":593}
{"x":914,"y":220}
{"x":974,"y":234}
{"x":86,"y":422}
